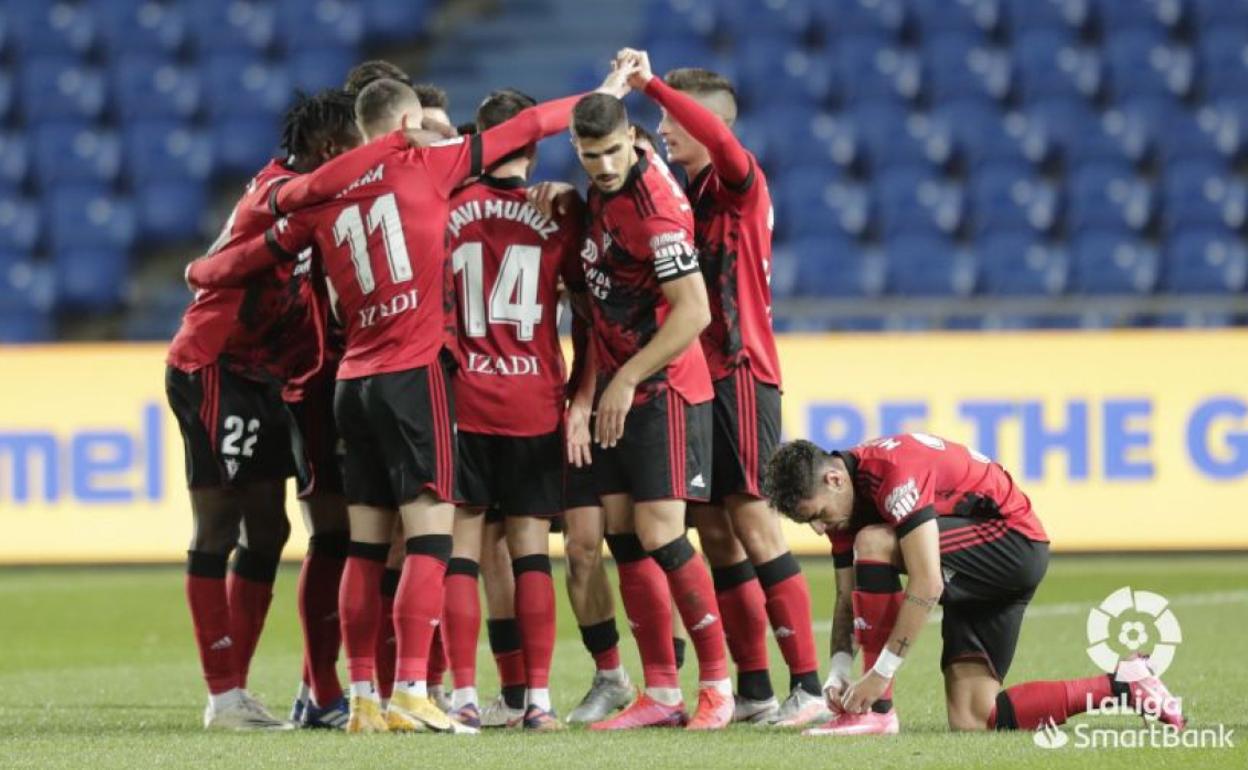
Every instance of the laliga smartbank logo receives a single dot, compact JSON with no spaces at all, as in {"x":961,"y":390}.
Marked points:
{"x":1128,"y":624}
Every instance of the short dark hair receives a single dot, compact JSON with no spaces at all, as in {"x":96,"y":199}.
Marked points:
{"x":431,"y":96}
{"x":597,"y":115}
{"x":501,"y":106}
{"x":702,"y":82}
{"x":379,"y":99}
{"x":371,"y":71}
{"x":792,"y":473}
{"x":328,"y":114}
{"x":643,"y":134}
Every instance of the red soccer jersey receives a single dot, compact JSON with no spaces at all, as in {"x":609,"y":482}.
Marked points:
{"x":910,"y":478}
{"x":266,"y":330}
{"x":639,"y":237}
{"x":508,"y":260}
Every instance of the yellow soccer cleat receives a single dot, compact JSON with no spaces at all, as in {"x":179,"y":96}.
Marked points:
{"x":366,"y":716}
{"x":414,"y":713}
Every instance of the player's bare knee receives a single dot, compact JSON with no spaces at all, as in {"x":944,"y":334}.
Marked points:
{"x":719,"y":543}
{"x":876,"y":542}
{"x":962,"y":719}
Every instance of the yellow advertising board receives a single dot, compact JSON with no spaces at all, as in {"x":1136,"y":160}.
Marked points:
{"x":1123,"y":440}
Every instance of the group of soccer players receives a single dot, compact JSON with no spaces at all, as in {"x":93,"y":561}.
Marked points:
{"x":391,"y":289}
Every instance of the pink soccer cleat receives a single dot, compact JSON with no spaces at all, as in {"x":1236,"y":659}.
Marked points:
{"x":870,"y":723}
{"x":645,"y":712}
{"x":714,"y":710}
{"x":1148,"y":694}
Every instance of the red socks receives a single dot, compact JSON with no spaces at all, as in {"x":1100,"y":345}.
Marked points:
{"x":742,"y":604}
{"x":602,"y":640}
{"x":249,"y":587}
{"x":437,"y":659}
{"x":210,"y":615}
{"x":318,"y":614}
{"x":359,"y":607}
{"x":387,"y":646}
{"x":508,"y":653}
{"x":535,"y":614}
{"x":1027,"y":706}
{"x":461,"y":620}
{"x":788,"y":607}
{"x":876,"y":599}
{"x":418,"y":604}
{"x":647,"y":603}
{"x":690,"y":585}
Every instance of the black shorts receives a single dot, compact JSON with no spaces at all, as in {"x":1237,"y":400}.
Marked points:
{"x":664,"y":454}
{"x":746,"y":432}
{"x":579,"y":490}
{"x":234,"y":430}
{"x":398,"y":430}
{"x":518,"y":475}
{"x":318,"y":452}
{"x":991,"y":573}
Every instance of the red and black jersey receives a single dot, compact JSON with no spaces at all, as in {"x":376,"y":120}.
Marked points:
{"x":733,"y":217}
{"x":508,"y":262}
{"x":908,"y":479}
{"x":266,"y":330}
{"x":638,"y":238}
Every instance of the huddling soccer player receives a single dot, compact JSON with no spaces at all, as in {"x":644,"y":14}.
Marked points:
{"x":651,"y":394}
{"x":225,"y":368}
{"x":756,"y":576}
{"x":392,"y":404}
{"x":968,"y":539}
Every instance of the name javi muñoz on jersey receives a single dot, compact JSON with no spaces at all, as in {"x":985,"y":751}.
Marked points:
{"x":382,"y":243}
{"x":638,"y":238}
{"x":267,"y":330}
{"x":911,"y":478}
{"x":733,"y":234}
{"x":508,"y":260}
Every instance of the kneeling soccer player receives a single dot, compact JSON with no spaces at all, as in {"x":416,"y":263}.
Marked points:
{"x":966,"y":535}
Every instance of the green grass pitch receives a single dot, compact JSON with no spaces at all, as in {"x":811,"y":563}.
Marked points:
{"x":98,"y":670}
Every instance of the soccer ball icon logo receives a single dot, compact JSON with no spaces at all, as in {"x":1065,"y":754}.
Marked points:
{"x":1129,"y":623}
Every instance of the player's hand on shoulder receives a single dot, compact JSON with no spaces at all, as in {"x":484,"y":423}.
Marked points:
{"x":636,"y":65}
{"x":553,"y":199}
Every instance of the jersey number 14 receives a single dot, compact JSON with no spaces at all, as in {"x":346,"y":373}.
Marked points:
{"x":513,"y":299}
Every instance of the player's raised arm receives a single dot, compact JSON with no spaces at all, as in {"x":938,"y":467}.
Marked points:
{"x":332,"y":177}
{"x":709,"y":127}
{"x":232,"y":267}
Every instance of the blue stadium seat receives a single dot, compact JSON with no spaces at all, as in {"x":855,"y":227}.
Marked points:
{"x":848,"y":19}
{"x":88,"y":217}
{"x":832,"y":267}
{"x":1206,"y":262}
{"x":1224,"y":68}
{"x":1066,"y":16}
{"x":1012,"y":197}
{"x":170,"y":210}
{"x":1199,"y":194}
{"x":963,"y":17}
{"x":14,"y":161}
{"x":873,"y":71}
{"x":1161,"y":16}
{"x":929,"y":266}
{"x":7,"y":93}
{"x":390,"y":21}
{"x":810,"y":204}
{"x":20,"y":224}
{"x":73,"y":152}
{"x":58,"y":88}
{"x":1176,"y":133}
{"x":1107,"y":262}
{"x":1083,"y":135}
{"x":835,"y":140}
{"x":27,"y":293}
{"x":165,"y":150}
{"x":314,"y":69}
{"x":237,"y":85}
{"x":892,"y":137}
{"x":230,"y":25}
{"x":149,"y":86}
{"x":1213,"y":14}
{"x":958,"y":67}
{"x":52,"y":28}
{"x":984,"y":135}
{"x":1225,"y":123}
{"x":788,"y":77}
{"x":241,"y":145}
{"x":913,"y":200}
{"x":749,"y":19}
{"x":141,"y":25}
{"x":1019,"y":264}
{"x":1050,"y":66}
{"x":91,"y":278}
{"x":1143,"y":64}
{"x":319,"y":23}
{"x":784,"y":272}
{"x":1109,"y":195}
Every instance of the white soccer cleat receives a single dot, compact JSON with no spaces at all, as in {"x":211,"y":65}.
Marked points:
{"x":606,"y":695}
{"x":801,"y":709}
{"x":242,"y":712}
{"x":755,"y":712}
{"x":499,"y":714}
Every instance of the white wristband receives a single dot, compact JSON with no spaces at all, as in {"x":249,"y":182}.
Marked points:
{"x":887,"y":664}
{"x":842,"y":665}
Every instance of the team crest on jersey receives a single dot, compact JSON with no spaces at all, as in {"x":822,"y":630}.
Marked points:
{"x":589,"y":252}
{"x":901,"y":501}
